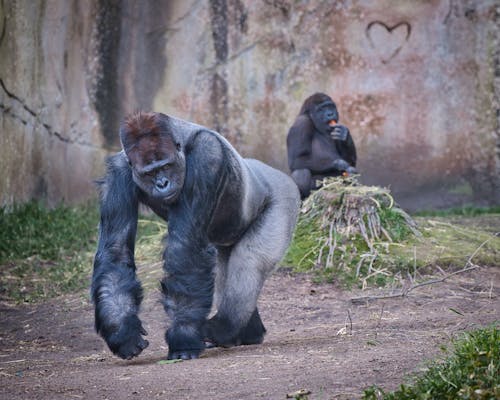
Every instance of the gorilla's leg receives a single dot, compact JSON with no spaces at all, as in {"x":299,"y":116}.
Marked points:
{"x":304,"y":181}
{"x":253,"y":332}
{"x":240,"y":280}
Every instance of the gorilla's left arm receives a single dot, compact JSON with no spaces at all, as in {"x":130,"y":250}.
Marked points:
{"x":189,"y":257}
{"x":345,"y":160}
{"x":347,"y":150}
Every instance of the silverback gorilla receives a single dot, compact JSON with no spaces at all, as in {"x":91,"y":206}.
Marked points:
{"x":317,"y":145}
{"x":230,"y":221}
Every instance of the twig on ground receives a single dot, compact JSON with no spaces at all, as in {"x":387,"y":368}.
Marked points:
{"x":404,"y":292}
{"x":350,"y":322}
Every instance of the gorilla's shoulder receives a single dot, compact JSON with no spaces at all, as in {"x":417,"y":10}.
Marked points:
{"x":301,"y":124}
{"x":118,"y":160}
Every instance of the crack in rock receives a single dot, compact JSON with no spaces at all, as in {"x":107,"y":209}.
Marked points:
{"x":9,"y":110}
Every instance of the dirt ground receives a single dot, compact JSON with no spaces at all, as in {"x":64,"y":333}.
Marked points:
{"x":317,"y":340}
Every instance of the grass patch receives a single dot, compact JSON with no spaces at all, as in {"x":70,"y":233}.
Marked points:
{"x":45,"y":253}
{"x":465,"y":211}
{"x":470,"y":371}
{"x":387,"y":249}
{"x":32,"y":230}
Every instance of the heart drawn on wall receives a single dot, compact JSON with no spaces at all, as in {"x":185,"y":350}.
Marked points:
{"x":388,"y":40}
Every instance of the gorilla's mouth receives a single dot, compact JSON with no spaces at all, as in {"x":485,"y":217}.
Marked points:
{"x":166,"y":196}
{"x":332,"y":122}
{"x":171,"y":196}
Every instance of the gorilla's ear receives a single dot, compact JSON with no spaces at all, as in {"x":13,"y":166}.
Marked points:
{"x":127,"y":159}
{"x":162,"y":120}
{"x":162,"y":117}
{"x":165,"y":122}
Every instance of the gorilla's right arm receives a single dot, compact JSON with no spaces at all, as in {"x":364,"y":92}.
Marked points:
{"x":299,"y":146}
{"x":116,"y":292}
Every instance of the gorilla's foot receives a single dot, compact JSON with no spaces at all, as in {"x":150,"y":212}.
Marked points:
{"x":219,"y":331}
{"x":254,"y":331}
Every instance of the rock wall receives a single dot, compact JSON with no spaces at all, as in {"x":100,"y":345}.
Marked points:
{"x":67,"y":71}
{"x":50,"y":140}
{"x":417,"y":82}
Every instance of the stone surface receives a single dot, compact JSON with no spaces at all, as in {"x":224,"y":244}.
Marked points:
{"x":50,"y":139}
{"x":417,"y":83}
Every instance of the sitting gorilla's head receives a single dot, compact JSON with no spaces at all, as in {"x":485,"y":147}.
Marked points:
{"x":322,"y":111}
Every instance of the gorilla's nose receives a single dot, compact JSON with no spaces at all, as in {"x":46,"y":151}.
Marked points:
{"x":161,"y":184}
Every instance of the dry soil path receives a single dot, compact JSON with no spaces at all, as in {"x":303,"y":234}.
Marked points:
{"x":50,"y":350}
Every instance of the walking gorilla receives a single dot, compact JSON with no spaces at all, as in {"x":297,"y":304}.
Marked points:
{"x":317,"y":145}
{"x":230,"y":221}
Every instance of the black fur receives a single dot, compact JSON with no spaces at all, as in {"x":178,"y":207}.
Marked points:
{"x":114,"y":279}
{"x":219,"y":207}
{"x":317,"y":150}
{"x":220,"y":332}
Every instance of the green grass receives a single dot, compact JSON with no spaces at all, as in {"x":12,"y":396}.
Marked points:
{"x":32,"y":230}
{"x":45,"y":253}
{"x":470,"y":371}
{"x":465,"y":211}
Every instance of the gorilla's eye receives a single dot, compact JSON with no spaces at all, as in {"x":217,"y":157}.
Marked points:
{"x":147,"y":174}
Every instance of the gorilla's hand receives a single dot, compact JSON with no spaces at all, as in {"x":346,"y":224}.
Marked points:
{"x":339,"y":132}
{"x":127,"y":342}
{"x":352,"y":171}
{"x":188,"y":354}
{"x":341,"y":165}
{"x":184,"y":343}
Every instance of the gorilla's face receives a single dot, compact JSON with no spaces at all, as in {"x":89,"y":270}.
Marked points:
{"x":160,"y":171}
{"x":157,"y":160}
{"x":324,"y":116}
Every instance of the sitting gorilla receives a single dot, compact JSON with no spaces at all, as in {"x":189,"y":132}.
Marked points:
{"x":230,"y":221}
{"x":317,"y":145}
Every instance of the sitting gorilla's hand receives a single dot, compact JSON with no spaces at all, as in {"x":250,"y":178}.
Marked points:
{"x":341,"y":165}
{"x":351,"y":171}
{"x":339,"y":132}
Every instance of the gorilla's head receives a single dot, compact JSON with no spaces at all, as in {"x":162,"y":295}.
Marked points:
{"x":156,"y":158}
{"x":322,"y":111}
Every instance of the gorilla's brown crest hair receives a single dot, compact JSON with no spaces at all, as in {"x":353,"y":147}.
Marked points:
{"x":138,"y":125}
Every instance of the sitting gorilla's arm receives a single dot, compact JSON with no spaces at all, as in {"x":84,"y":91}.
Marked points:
{"x":300,"y":152}
{"x":115,"y":290}
{"x":345,"y":145}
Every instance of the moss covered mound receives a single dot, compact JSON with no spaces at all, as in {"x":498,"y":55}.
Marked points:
{"x":357,"y":234}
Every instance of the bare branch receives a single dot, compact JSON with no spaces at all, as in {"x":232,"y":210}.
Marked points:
{"x":404,"y":293}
